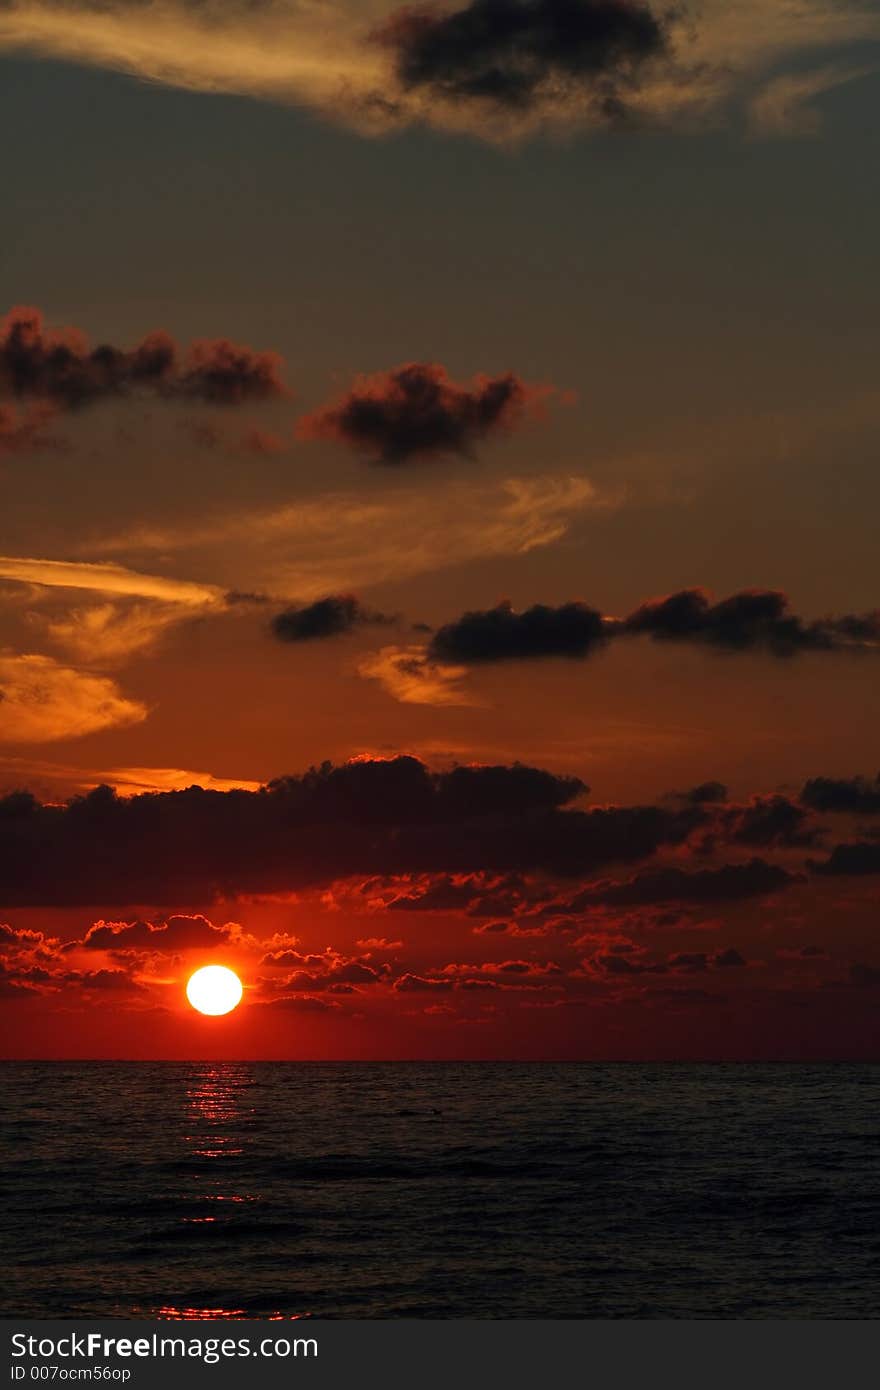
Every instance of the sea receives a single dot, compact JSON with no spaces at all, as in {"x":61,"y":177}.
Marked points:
{"x":406,"y":1190}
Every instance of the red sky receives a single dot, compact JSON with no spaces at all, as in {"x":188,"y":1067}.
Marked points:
{"x":358,"y":412}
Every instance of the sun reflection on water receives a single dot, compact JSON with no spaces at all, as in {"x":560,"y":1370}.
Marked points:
{"x":218,"y":1130}
{"x":188,"y":1314}
{"x":215,"y":1111}
{"x":217,"y":1122}
{"x":198,"y":1314}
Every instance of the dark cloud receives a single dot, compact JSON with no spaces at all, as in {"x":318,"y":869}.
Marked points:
{"x":513,"y":929}
{"x":611,"y":963}
{"x":690,"y":962}
{"x":225,"y":373}
{"x":511,"y":54}
{"x":342,"y":979}
{"x":416,"y":411}
{"x":749,"y":620}
{"x":729,"y":959}
{"x":478,"y":895}
{"x":21,"y":938}
{"x":119,"y":981}
{"x":307,"y":961}
{"x":368,"y":817}
{"x":24,"y":980}
{"x":444,"y":895}
{"x":857,"y":858}
{"x":519,"y":967}
{"x":60,"y":368}
{"x":21,"y":982}
{"x":326,"y":617}
{"x":175,"y":934}
{"x":419,"y":984}
{"x":857,"y":795}
{"x":328,"y":971}
{"x":500,"y":634}
{"x":728,"y":883}
{"x":301,"y":1003}
{"x":707,"y":793}
{"x":695,"y":962}
{"x":753,"y":620}
{"x":354,"y":972}
{"x":768,"y":821}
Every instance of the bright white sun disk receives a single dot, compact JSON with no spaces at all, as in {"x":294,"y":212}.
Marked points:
{"x":215,"y":989}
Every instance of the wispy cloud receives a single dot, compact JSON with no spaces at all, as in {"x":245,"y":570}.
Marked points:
{"x":109,"y":633}
{"x":142,"y":607}
{"x":785,"y":106}
{"x":341,"y":541}
{"x":410,"y":676}
{"x":108,"y":579}
{"x":42,"y":701}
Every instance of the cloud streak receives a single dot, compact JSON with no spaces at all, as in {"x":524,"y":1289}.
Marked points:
{"x":108,"y":579}
{"x":138,"y":610}
{"x":341,"y":541}
{"x":127,"y":781}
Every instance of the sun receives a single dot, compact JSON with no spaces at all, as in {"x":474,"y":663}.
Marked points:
{"x":215,"y":989}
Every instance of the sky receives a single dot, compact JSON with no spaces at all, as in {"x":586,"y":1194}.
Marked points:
{"x":438,"y":462}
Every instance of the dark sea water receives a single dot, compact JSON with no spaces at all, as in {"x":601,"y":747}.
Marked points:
{"x":440,"y":1190}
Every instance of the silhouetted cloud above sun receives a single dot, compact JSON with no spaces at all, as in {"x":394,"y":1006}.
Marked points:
{"x":179,"y":933}
{"x":366,"y":817}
